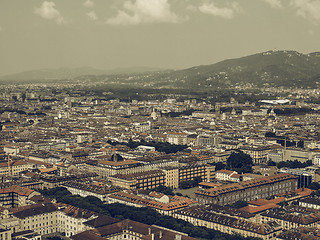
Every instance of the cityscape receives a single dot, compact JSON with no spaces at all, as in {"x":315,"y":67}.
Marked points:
{"x":159,"y":120}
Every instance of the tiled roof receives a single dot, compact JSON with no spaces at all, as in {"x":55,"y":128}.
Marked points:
{"x":22,"y":191}
{"x":32,"y":210}
{"x":246,"y":184}
{"x":176,"y":202}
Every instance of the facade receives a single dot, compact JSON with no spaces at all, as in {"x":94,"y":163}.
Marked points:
{"x":5,"y":234}
{"x":211,"y":216}
{"x":248,"y":190}
{"x":106,"y":169}
{"x":14,"y":169}
{"x":144,"y":180}
{"x":189,"y":172}
{"x":304,"y":178}
{"x":128,"y":229}
{"x":16,"y":196}
{"x":292,"y":217}
{"x":204,"y":140}
{"x":177,"y":138}
{"x":310,"y":202}
{"x":86,"y":189}
{"x":258,"y":154}
{"x":172,"y":177}
{"x":164,"y":204}
{"x":224,"y":175}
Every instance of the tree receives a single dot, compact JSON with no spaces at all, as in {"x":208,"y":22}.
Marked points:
{"x":219,"y":166}
{"x":240,"y":162}
{"x":271,"y":163}
{"x":300,"y":144}
{"x":270,"y":134}
{"x":314,"y":186}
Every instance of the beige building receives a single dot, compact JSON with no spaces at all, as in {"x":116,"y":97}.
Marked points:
{"x":5,"y":234}
{"x":177,"y":138}
{"x":144,"y":180}
{"x":248,"y":190}
{"x":16,"y":196}
{"x":292,"y":217}
{"x":171,"y":177}
{"x":209,"y":216}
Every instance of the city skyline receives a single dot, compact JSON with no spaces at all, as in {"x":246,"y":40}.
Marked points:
{"x":159,"y":33}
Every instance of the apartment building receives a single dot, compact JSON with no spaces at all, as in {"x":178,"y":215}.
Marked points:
{"x":191,"y":171}
{"x":16,"y":196}
{"x":89,"y":189}
{"x":106,"y":168}
{"x":177,"y":138}
{"x":310,"y":202}
{"x":258,"y":154}
{"x":292,"y":217}
{"x":160,"y":202}
{"x":128,"y":229}
{"x":143,"y":180}
{"x":14,"y":167}
{"x":228,"y":221}
{"x":225,"y":175}
{"x":248,"y":190}
{"x":5,"y":234}
{"x":172,"y":177}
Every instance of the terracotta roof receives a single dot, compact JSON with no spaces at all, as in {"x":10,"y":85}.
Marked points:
{"x":262,"y":208}
{"x":22,"y":191}
{"x":32,"y":210}
{"x":246,"y":184}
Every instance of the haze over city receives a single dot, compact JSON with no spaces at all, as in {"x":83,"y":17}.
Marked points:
{"x":170,"y":34}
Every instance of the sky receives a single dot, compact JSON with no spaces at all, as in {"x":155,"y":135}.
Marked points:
{"x":174,"y":34}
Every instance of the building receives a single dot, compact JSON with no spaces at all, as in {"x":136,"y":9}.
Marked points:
{"x":304,"y":177}
{"x":172,"y":177}
{"x":248,"y":190}
{"x":310,"y":202}
{"x":225,"y":175}
{"x":229,"y":221}
{"x":16,"y":196}
{"x":143,"y":180}
{"x":5,"y":234}
{"x":90,"y":189}
{"x":301,"y":233}
{"x":192,"y":171}
{"x":177,"y":138}
{"x":258,"y":154}
{"x":162,"y":203}
{"x":292,"y":217}
{"x":128,"y":229}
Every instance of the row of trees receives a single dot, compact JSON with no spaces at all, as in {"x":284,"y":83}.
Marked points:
{"x":290,"y":164}
{"x":159,"y":146}
{"x":143,"y":215}
{"x":190,"y":183}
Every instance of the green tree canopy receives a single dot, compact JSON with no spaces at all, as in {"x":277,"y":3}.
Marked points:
{"x":240,"y":162}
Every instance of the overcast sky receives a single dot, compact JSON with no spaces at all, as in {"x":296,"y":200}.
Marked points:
{"x":106,"y":34}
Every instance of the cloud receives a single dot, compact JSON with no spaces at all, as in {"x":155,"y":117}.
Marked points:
{"x":48,"y":11}
{"x":309,"y":9}
{"x":136,"y":12}
{"x":274,"y":3}
{"x":92,"y":16}
{"x":88,"y":3}
{"x":224,"y":12}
